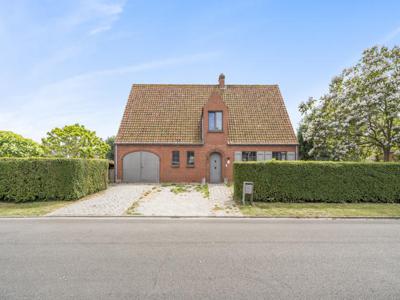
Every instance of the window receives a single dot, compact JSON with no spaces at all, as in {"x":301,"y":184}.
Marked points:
{"x":279,"y":155}
{"x":249,"y":156}
{"x":175,"y":158}
{"x":190,"y":159}
{"x":215,"y":121}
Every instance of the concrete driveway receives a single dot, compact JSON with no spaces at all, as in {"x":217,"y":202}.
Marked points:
{"x":128,"y":258}
{"x":154,"y":200}
{"x":112,"y":202}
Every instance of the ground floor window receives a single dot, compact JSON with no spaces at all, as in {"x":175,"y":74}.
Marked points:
{"x":279,"y":155}
{"x":175,"y":158}
{"x":190,"y":159}
{"x":249,"y":156}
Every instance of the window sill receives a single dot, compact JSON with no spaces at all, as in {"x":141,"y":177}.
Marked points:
{"x":215,"y":131}
{"x":175,"y":166}
{"x":189,"y":166}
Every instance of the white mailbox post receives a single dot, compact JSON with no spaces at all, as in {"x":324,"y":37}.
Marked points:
{"x":248,"y":188}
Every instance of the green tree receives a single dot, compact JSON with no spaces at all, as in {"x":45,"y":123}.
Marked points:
{"x":360,"y":115}
{"x":74,"y":141}
{"x":304,"y":146}
{"x":15,"y":145}
{"x":110,"y":141}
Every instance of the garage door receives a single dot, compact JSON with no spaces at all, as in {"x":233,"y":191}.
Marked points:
{"x":141,"y":167}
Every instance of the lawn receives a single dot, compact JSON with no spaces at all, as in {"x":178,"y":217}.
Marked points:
{"x":321,"y":210}
{"x":28,"y":209}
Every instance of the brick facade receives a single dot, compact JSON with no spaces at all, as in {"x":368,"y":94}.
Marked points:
{"x":183,"y":173}
{"x":212,"y":142}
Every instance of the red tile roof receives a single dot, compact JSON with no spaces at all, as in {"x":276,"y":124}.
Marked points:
{"x":171,"y":114}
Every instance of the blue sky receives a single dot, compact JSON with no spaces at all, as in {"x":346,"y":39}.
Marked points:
{"x":65,"y":62}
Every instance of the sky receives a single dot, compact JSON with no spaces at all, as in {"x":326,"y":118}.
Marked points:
{"x":67,"y":62}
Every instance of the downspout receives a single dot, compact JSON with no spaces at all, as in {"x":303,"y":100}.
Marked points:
{"x":115,"y":163}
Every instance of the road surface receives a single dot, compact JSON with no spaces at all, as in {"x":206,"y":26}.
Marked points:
{"x":122,"y":258}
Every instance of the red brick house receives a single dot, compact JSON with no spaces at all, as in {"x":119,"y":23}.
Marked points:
{"x":193,"y":133}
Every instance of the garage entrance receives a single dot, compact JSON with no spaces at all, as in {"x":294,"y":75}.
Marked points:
{"x":141,"y":167}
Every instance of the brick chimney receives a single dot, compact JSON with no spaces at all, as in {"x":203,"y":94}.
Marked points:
{"x":221,"y":81}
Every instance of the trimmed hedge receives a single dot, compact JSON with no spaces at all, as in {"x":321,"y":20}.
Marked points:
{"x":42,"y":179}
{"x":300,"y":181}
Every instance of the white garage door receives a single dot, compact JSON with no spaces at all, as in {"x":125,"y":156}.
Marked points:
{"x":141,"y":167}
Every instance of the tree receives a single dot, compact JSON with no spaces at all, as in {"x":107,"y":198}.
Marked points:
{"x":110,"y":141}
{"x":74,"y":141}
{"x":304,"y":146}
{"x":360,"y":115}
{"x":15,"y":145}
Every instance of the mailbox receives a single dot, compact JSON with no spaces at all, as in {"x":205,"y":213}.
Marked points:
{"x":248,"y":188}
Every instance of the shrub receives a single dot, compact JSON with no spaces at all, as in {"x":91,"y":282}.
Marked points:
{"x":41,"y":179}
{"x":319,"y":181}
{"x":15,"y":145}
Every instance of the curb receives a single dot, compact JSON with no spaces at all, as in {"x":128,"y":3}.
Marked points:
{"x":200,"y":217}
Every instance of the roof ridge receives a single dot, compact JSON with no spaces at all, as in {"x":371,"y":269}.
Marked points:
{"x":203,"y":85}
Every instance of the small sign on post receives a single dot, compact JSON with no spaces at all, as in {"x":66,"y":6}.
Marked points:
{"x":248,"y":187}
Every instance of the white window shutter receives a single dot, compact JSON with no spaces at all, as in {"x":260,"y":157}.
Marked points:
{"x":238,"y":155}
{"x":260,"y":156}
{"x":268,"y":155}
{"x":291,"y":156}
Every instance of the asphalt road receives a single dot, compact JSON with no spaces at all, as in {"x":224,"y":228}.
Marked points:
{"x":199,"y":259}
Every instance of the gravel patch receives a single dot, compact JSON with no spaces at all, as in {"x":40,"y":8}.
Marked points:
{"x":112,"y":202}
{"x":222,"y":199}
{"x":163,"y":202}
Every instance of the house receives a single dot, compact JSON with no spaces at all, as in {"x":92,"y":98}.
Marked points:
{"x":193,"y":133}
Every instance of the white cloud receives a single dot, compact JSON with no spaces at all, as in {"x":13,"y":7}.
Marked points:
{"x":77,"y":98}
{"x":100,"y":29}
{"x":391,"y":36}
{"x":97,"y":15}
{"x":147,"y":66}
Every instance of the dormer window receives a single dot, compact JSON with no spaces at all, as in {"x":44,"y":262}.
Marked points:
{"x":215,"y":121}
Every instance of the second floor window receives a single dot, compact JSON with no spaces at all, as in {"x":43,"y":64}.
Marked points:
{"x":215,"y":121}
{"x":175,"y":158}
{"x":190,"y":158}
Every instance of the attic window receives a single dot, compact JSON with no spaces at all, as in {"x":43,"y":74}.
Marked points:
{"x":215,"y":120}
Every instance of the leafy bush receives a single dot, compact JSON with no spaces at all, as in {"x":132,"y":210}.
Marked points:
{"x":111,"y":143}
{"x":38,"y":179}
{"x":15,"y":145}
{"x":319,"y":181}
{"x":74,"y":141}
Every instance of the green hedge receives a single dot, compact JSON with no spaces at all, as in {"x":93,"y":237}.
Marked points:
{"x":300,"y":181}
{"x":42,"y":179}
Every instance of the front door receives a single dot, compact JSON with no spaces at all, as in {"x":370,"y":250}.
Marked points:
{"x":215,"y":168}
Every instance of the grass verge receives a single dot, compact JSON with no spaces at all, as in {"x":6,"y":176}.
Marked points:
{"x":321,"y":210}
{"x":29,"y":209}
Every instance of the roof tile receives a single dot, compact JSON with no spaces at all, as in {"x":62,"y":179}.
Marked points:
{"x":171,"y":114}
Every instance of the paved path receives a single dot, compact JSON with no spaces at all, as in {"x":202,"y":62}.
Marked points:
{"x":125,"y":258}
{"x":112,"y":202}
{"x":163,"y":202}
{"x":222,"y":200}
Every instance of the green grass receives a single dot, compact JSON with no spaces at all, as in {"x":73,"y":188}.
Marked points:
{"x":28,"y":209}
{"x":132,"y":210}
{"x":321,"y":210}
{"x":203,"y":188}
{"x":180,"y":188}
